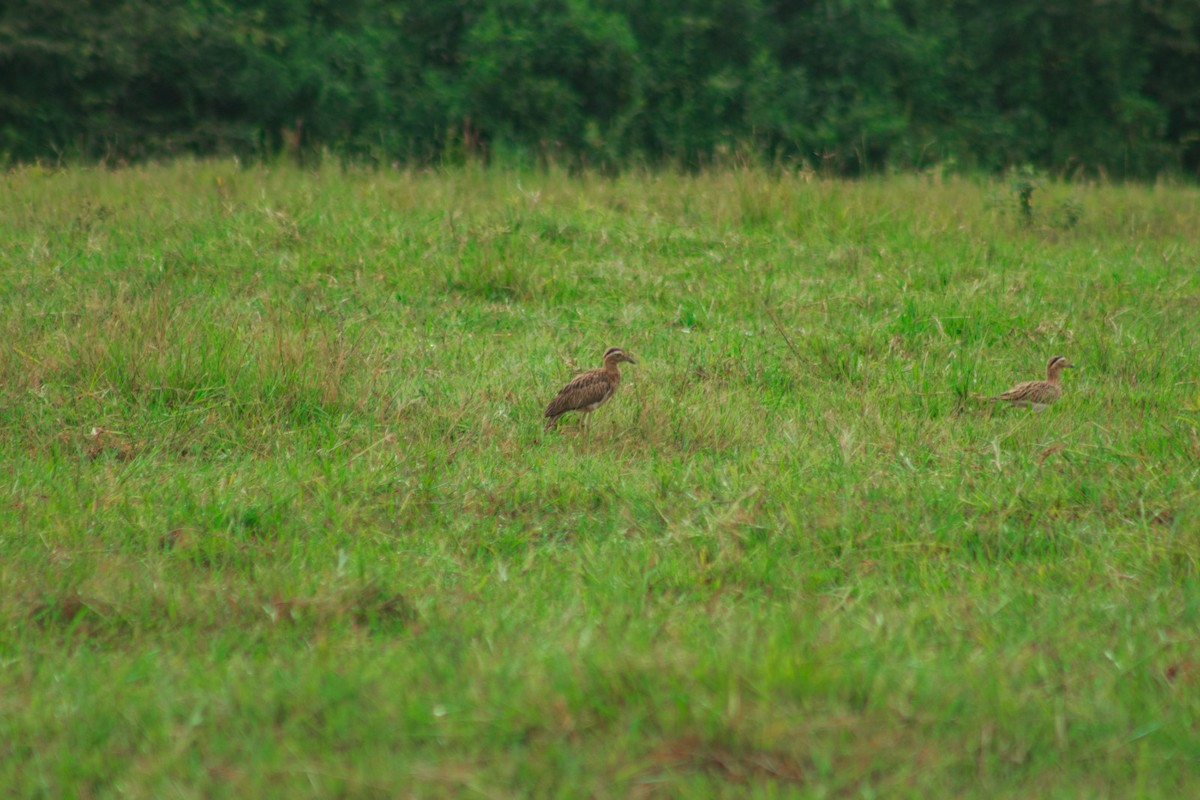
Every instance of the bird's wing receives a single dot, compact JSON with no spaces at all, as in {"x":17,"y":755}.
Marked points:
{"x":1014,"y":393}
{"x":584,"y":390}
{"x":1030,"y":392}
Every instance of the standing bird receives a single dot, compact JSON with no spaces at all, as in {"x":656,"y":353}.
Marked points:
{"x":586,"y":392}
{"x":1039,"y":394}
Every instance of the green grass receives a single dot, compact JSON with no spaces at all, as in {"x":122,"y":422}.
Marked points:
{"x":278,"y":516}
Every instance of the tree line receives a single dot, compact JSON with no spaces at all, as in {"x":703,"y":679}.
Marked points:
{"x":849,"y":86}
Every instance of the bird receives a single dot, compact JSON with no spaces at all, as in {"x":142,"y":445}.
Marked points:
{"x":587,"y":392}
{"x":1038,"y":394}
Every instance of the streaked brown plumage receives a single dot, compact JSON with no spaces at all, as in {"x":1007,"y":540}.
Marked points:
{"x":586,"y":392}
{"x":1038,"y":394}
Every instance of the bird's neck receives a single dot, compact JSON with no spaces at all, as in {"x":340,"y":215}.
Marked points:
{"x":611,"y":370}
{"x":1053,"y":376}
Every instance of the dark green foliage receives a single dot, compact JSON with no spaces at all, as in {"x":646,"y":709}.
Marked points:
{"x":1024,"y":182}
{"x":843,"y":86}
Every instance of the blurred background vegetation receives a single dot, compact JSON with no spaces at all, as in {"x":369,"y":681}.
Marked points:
{"x":847,"y":87}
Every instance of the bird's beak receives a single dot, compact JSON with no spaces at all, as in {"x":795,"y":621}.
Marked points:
{"x":630,"y":359}
{"x":1069,"y":365}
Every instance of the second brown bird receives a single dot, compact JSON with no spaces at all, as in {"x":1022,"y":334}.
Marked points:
{"x":1038,"y":394}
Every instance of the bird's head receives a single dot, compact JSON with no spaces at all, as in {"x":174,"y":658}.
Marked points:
{"x":1056,"y":366}
{"x":615,"y":355}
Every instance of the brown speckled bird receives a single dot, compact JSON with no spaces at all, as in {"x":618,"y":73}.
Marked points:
{"x":1039,"y":394}
{"x":586,"y":392}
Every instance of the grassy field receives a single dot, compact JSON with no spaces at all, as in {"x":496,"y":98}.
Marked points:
{"x":279,"y":519}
